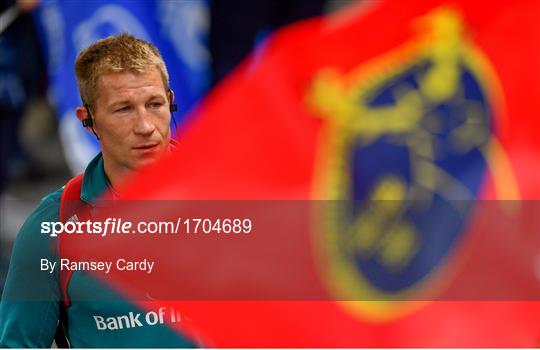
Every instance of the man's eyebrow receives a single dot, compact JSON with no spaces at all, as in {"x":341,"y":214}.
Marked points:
{"x":118,"y":103}
{"x":156,"y":96}
{"x":126,"y":102}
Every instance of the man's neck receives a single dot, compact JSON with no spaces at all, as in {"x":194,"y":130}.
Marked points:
{"x":115,"y":175}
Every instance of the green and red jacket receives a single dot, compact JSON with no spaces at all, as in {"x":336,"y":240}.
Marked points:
{"x":32,"y":310}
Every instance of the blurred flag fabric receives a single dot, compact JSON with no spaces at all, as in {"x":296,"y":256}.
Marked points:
{"x":178,"y":28}
{"x":407,"y":121}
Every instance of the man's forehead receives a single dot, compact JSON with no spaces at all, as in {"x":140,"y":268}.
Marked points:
{"x":130,"y":79}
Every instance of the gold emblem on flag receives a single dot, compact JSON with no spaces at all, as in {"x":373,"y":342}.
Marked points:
{"x":424,"y":108}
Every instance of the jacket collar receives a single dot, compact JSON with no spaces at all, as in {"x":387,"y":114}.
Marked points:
{"x":95,"y":181}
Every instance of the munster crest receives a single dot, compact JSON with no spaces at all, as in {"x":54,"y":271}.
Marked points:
{"x":405,"y":155}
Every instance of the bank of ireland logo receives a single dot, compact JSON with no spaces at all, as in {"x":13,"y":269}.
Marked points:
{"x":408,"y":139}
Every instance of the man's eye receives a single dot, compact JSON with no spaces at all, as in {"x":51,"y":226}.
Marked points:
{"x":122,"y":109}
{"x":156,"y":105}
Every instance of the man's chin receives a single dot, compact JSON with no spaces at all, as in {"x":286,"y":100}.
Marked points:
{"x":144,"y":162}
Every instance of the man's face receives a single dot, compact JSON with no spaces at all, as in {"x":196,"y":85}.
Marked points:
{"x":132,"y":119}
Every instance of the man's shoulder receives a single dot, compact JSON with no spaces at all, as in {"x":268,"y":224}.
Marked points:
{"x":53,"y":197}
{"x":47,"y":210}
{"x":49,"y":205}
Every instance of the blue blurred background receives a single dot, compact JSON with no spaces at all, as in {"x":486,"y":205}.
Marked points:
{"x":42,"y":144}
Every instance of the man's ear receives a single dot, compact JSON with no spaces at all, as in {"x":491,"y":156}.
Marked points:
{"x":173,"y":107}
{"x":82,"y":113}
{"x":86,"y":119}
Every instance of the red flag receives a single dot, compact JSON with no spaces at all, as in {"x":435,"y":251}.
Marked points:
{"x":398,"y":117}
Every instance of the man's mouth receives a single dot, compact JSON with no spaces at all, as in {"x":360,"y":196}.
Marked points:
{"x":148,"y":147}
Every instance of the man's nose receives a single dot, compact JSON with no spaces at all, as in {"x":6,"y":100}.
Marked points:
{"x":143,"y":123}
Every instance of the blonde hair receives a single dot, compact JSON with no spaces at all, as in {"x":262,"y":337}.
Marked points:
{"x":115,"y":54}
